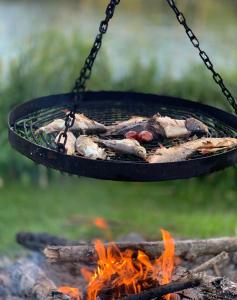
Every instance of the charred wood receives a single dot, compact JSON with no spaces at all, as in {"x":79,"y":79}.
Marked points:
{"x":38,"y":241}
{"x":210,"y":288}
{"x":163,"y":290}
{"x":216,"y":288}
{"x":188,"y":280}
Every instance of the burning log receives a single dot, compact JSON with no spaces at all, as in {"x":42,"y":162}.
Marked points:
{"x":210,"y":287}
{"x":189,"y":249}
{"x":163,"y":290}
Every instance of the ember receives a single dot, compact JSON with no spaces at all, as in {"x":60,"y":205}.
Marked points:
{"x":122,"y":273}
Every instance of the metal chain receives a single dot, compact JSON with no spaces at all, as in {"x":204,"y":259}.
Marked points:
{"x":85,"y":74}
{"x":194,"y":40}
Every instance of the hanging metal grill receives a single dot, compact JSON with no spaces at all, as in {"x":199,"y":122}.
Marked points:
{"x":110,"y":107}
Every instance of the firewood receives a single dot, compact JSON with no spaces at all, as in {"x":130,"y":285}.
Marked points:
{"x":209,"y":287}
{"x":216,"y":288}
{"x":186,"y":249}
{"x":163,"y":290}
{"x":55,"y":295}
{"x":38,"y":241}
{"x":28,"y":280}
{"x":221,"y":258}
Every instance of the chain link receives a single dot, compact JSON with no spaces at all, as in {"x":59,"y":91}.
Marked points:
{"x":194,"y":40}
{"x":85,"y":74}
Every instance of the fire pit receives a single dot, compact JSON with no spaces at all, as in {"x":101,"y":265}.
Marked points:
{"x":168,"y":269}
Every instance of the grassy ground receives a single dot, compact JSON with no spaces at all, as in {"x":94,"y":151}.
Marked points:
{"x":201,"y":207}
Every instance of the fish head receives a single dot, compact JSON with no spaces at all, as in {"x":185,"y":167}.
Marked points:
{"x":196,"y":127}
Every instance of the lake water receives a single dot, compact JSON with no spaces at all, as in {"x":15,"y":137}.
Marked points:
{"x":144,"y":29}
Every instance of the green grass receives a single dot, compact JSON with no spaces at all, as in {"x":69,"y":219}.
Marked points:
{"x":195,"y":208}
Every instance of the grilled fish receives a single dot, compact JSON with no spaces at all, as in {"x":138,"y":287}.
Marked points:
{"x":159,"y":126}
{"x":172,"y":128}
{"x":82,"y":124}
{"x":88,"y":126}
{"x":125,"y":146}
{"x":70,"y":143}
{"x":86,"y":147}
{"x":183,"y":151}
{"x":55,"y":126}
{"x":133,"y":124}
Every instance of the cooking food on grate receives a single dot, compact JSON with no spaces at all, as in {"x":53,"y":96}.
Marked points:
{"x":143,"y":136}
{"x":173,"y":128}
{"x":55,"y":126}
{"x":88,"y":126}
{"x":86,"y":147}
{"x":135,"y":123}
{"x":183,"y":151}
{"x":158,"y":126}
{"x":125,"y":146}
{"x":82,"y":124}
{"x":70,"y":143}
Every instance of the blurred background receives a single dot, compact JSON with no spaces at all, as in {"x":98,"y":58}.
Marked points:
{"x":43,"y":44}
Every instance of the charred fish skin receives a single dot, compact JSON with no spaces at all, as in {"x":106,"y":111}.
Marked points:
{"x":195,"y":126}
{"x":70,"y":143}
{"x":86,"y":147}
{"x":125,"y":146}
{"x":183,"y":151}
{"x":138,"y":127}
{"x":132,"y":124}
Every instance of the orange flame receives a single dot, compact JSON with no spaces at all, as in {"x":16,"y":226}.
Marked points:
{"x":74,"y":293}
{"x":101,"y":223}
{"x":121,"y":273}
{"x":168,"y":259}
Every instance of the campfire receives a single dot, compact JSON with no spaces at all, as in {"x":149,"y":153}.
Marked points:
{"x":60,"y":269}
{"x":121,"y":273}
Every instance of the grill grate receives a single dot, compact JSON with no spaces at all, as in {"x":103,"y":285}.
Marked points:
{"x":108,"y":107}
{"x":116,"y":111}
